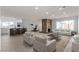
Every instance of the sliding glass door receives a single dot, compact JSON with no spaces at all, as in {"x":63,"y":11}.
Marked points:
{"x":65,"y":25}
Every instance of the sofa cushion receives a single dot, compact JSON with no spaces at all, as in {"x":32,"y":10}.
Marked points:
{"x":41,"y":39}
{"x":76,"y":38}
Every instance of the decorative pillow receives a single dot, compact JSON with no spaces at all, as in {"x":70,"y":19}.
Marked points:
{"x":53,"y":36}
{"x":76,"y":38}
{"x":41,"y":39}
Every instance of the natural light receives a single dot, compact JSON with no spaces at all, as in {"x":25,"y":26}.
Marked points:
{"x":65,"y":25}
{"x":7,"y":24}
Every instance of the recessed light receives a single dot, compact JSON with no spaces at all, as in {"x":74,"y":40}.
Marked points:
{"x":46,"y":12}
{"x":36,"y":8}
{"x":60,"y":8}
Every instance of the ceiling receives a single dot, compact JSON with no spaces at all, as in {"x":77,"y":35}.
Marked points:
{"x":33,"y":12}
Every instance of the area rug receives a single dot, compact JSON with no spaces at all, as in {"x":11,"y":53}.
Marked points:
{"x":61,"y":44}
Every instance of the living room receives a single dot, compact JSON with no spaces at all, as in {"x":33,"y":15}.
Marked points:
{"x":39,"y":28}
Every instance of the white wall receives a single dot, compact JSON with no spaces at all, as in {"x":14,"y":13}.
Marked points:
{"x":27,"y":22}
{"x":10,"y":19}
{"x":5,"y":29}
{"x":78,"y":24}
{"x":0,"y":28}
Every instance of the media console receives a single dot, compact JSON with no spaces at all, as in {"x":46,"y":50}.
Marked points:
{"x":17,"y":31}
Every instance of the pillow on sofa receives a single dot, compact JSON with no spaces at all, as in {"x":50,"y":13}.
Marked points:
{"x":76,"y":38}
{"x":54,"y":36}
{"x":41,"y":39}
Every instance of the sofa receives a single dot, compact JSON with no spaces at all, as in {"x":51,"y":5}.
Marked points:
{"x":75,"y":43}
{"x":63,"y":32}
{"x":44,"y":44}
{"x":54,"y":36}
{"x":29,"y":38}
{"x":40,"y":42}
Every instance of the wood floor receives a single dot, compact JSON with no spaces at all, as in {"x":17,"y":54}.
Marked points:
{"x":61,"y":44}
{"x":0,"y":42}
{"x":17,"y":44}
{"x":14,"y":44}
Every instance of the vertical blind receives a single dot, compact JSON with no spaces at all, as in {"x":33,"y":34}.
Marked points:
{"x":65,"y":25}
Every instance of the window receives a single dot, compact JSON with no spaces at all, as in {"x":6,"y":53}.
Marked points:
{"x":65,"y":25}
{"x":7,"y":24}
